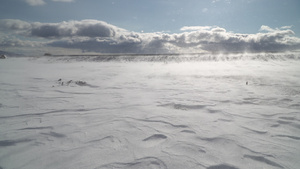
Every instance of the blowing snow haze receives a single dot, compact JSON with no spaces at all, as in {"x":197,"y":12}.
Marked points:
{"x":144,"y":27}
{"x":143,"y":84}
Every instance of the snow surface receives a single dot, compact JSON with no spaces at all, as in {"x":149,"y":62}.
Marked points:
{"x":61,"y":113}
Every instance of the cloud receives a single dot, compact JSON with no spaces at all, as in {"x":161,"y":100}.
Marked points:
{"x":10,"y":41}
{"x":286,"y":27}
{"x":42,"y":2}
{"x":14,"y":24}
{"x":99,"y":36}
{"x":126,"y":43}
{"x":63,"y":0}
{"x":35,"y":2}
{"x":194,"y":28}
{"x":218,"y":29}
{"x":86,"y":28}
{"x":266,"y":28}
{"x":273,"y":41}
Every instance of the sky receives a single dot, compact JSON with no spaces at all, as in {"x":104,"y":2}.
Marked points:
{"x":144,"y":26}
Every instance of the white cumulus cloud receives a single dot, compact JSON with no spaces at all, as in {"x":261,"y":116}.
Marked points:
{"x":99,"y":36}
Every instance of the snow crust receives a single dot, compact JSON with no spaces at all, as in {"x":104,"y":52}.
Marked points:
{"x":191,"y":114}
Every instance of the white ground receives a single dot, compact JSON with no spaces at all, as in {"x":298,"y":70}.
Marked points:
{"x":149,"y":114}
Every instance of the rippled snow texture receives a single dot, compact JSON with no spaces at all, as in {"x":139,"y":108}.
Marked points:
{"x":192,"y":114}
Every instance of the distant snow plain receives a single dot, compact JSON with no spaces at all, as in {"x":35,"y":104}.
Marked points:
{"x":135,"y":112}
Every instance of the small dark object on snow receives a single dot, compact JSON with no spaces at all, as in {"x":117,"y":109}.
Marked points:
{"x":3,"y":57}
{"x":70,"y":81}
{"x":80,"y":83}
{"x":246,"y":83}
{"x":47,"y":54}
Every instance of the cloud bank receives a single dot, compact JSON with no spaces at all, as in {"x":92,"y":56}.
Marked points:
{"x":102,"y":37}
{"x":85,"y":28}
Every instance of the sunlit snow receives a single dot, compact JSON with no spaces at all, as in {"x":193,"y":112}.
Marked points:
{"x":212,"y":112}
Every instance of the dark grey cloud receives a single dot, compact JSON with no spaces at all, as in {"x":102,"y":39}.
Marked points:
{"x":13,"y":42}
{"x":112,"y":45}
{"x":46,"y":31}
{"x":99,"y":36}
{"x":88,"y":28}
{"x":98,"y":29}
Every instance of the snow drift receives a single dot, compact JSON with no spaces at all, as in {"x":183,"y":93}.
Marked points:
{"x":71,"y":112}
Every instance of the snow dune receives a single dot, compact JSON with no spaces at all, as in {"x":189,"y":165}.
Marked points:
{"x":75,"y":113}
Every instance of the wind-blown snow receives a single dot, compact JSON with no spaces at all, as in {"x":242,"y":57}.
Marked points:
{"x":66,"y":113}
